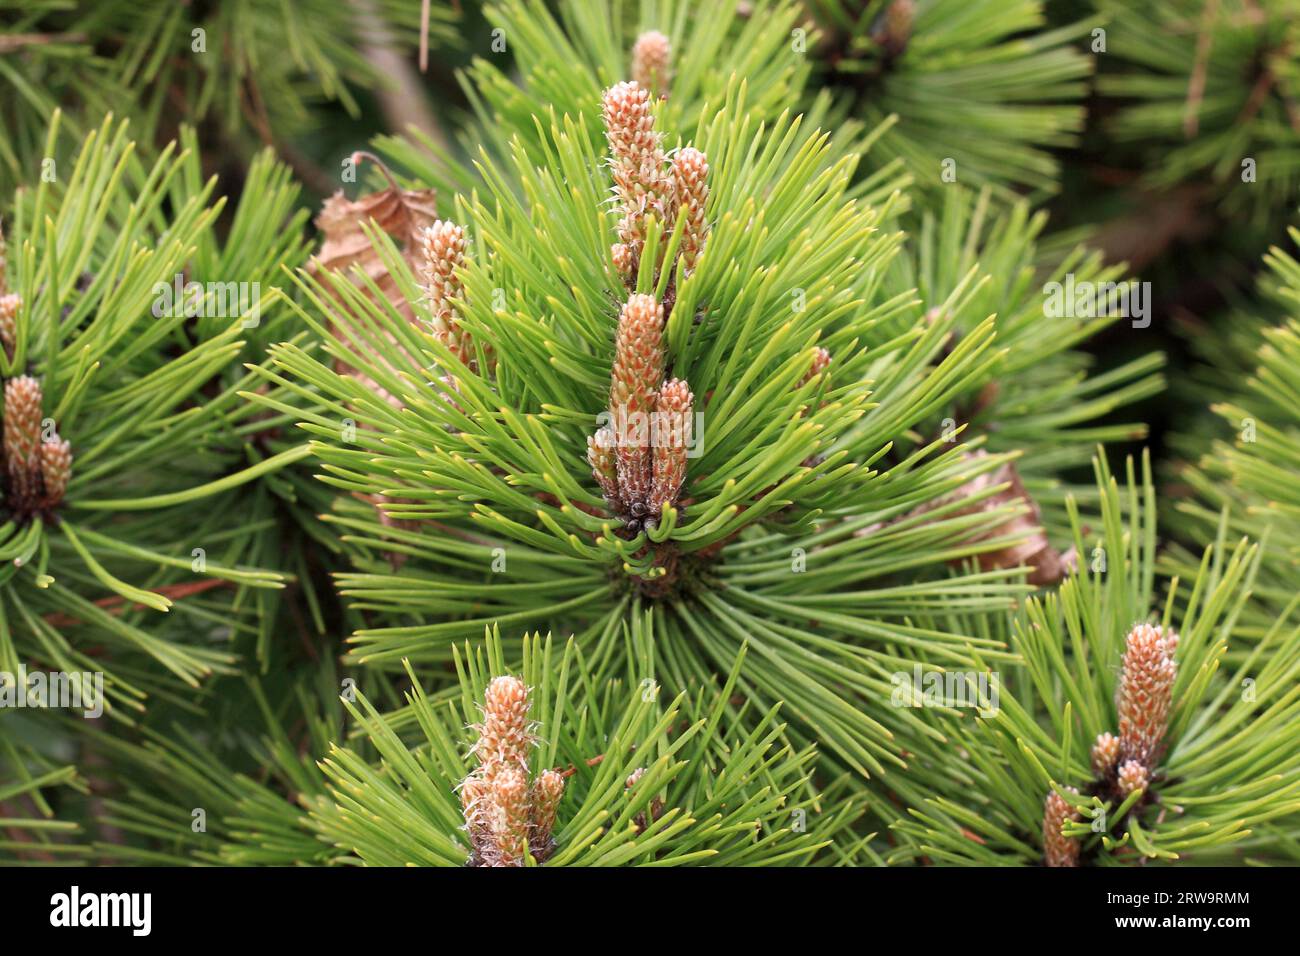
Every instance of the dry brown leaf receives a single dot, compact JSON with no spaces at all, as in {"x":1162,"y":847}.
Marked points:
{"x":401,"y":213}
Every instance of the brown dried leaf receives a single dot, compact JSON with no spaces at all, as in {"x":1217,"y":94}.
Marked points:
{"x":402,"y":214}
{"x":1034,"y":550}
{"x":399,"y":212}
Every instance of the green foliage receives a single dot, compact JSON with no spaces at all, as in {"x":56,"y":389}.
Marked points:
{"x":502,"y":466}
{"x":1243,"y":478}
{"x":258,"y":68}
{"x":1233,"y":763}
{"x":980,"y":90}
{"x":34,"y":775}
{"x":230,"y":788}
{"x":1038,"y":399}
{"x":291,"y":518}
{"x":717,"y":788}
{"x":1204,"y":88}
{"x":154,"y":420}
{"x":564,"y":61}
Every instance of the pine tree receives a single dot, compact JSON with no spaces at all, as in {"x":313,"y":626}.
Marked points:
{"x":975,"y":92}
{"x":696,"y":459}
{"x":1130,"y":732}
{"x":256,"y":70}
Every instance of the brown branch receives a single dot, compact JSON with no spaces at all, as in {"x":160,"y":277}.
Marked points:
{"x":424,"y":36}
{"x":1196,"y":85}
{"x":402,"y":98}
{"x":116,"y":605}
{"x":17,"y":41}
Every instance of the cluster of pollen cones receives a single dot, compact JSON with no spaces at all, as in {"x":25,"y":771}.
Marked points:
{"x":508,"y":814}
{"x":37,"y":468}
{"x":37,"y":465}
{"x":1124,"y":764}
{"x":639,"y":457}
